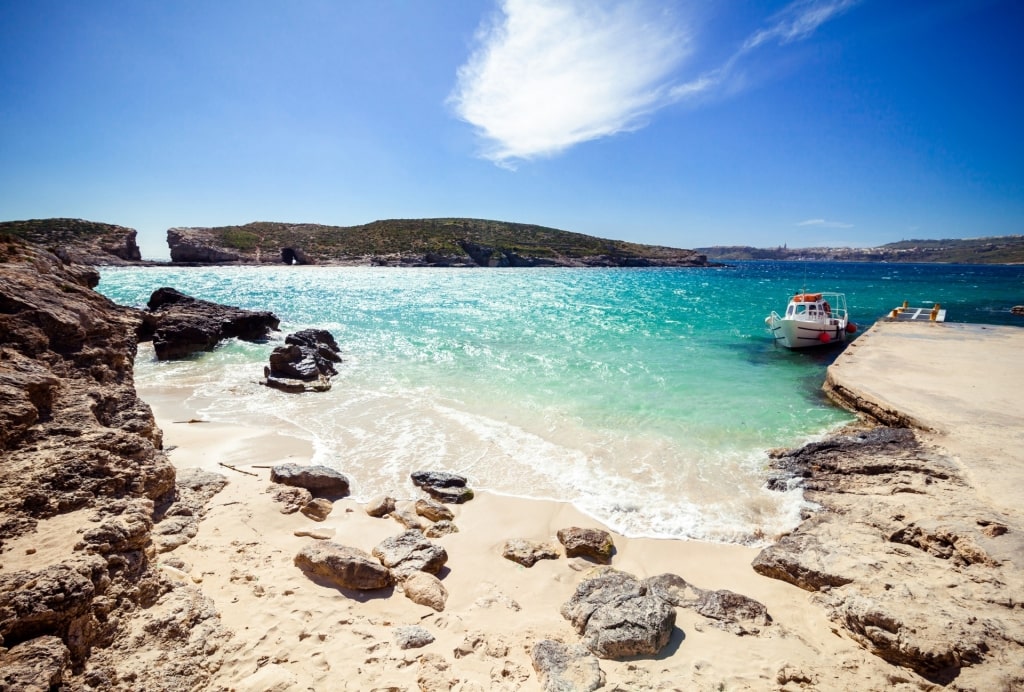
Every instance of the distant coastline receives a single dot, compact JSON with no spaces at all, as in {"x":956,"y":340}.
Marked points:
{"x":1007,"y":249}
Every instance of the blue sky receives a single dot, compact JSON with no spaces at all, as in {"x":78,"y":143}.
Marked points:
{"x":815,"y":122}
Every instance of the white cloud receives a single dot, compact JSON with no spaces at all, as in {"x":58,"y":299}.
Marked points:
{"x":822,"y":223}
{"x":799,"y":20}
{"x":545,"y":76}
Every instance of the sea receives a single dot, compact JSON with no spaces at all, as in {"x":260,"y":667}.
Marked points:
{"x":648,"y":398}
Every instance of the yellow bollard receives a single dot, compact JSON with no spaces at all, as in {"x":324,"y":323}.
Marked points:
{"x":906,"y":304}
{"x":935,"y":312}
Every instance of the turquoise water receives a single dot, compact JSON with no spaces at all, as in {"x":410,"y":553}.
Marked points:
{"x":647,"y":397}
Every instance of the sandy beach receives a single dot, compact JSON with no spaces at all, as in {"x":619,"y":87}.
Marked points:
{"x":290,"y":632}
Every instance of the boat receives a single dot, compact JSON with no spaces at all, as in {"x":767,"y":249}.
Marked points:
{"x":812,"y":319}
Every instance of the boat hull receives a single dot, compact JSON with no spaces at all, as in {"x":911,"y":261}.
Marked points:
{"x":793,"y":333}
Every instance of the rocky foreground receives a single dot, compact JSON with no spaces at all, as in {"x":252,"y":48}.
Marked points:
{"x":122,"y":571}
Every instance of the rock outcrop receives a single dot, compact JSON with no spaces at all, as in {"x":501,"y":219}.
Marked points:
{"x":305,"y":363}
{"x":904,"y":558}
{"x":180,"y":325}
{"x":79,"y":241}
{"x":83,"y":473}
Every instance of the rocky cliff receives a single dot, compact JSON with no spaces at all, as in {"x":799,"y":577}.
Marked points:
{"x":75,"y":240}
{"x":416,"y":242}
{"x":85,"y":488}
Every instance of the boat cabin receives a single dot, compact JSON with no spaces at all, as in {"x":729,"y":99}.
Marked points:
{"x":808,"y":306}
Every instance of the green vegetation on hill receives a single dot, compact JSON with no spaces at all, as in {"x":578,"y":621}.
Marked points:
{"x":994,"y":250}
{"x":425,"y":236}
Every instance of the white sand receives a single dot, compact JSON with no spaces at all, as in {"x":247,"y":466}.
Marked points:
{"x":291,"y":633}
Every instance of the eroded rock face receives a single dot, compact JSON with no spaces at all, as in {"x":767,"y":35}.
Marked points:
{"x":905,"y":557}
{"x":80,"y":457}
{"x":618,"y":617}
{"x":79,"y":241}
{"x":179,"y":324}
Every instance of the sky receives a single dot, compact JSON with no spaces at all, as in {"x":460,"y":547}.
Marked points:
{"x":667,"y":122}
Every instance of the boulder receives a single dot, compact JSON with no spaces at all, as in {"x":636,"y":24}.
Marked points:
{"x":318,"y":509}
{"x":595,"y":544}
{"x":180,"y":325}
{"x":321,"y":481}
{"x":443,"y":486}
{"x":407,"y":519}
{"x":349,"y":568}
{"x":425,"y":589}
{"x":434,"y":511}
{"x":38,"y":664}
{"x":409,"y":552}
{"x":380,"y":506}
{"x":617,"y":617}
{"x":304,"y":363}
{"x":562,"y":668}
{"x":527,"y":553}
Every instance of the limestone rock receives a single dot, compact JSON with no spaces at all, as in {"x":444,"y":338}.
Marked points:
{"x":595,"y":544}
{"x":292,"y":499}
{"x":434,"y":511}
{"x":380,"y":506}
{"x":349,"y":568}
{"x":412,"y":637}
{"x":179,"y":324}
{"x":527,"y":553}
{"x":734,"y":612}
{"x":322,"y":481}
{"x":440,"y":528}
{"x":562,"y":668}
{"x":410,"y":552}
{"x":318,"y":509}
{"x":617,"y":617}
{"x":425,"y":589}
{"x":38,"y":664}
{"x":407,"y":519}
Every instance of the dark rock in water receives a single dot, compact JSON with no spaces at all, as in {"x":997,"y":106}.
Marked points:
{"x":179,"y":324}
{"x":304,"y":363}
{"x":438,"y":479}
{"x":322,"y":481}
{"x":592,"y":543}
{"x":443,"y":486}
{"x":618,"y":617}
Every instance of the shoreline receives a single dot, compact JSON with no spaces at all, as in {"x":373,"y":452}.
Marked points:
{"x":290,"y":632}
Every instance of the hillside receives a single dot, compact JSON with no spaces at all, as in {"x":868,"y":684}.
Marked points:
{"x":416,"y":242}
{"x":993,"y":250}
{"x":87,"y":242}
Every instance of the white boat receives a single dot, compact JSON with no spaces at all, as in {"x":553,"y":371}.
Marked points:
{"x":812,"y":319}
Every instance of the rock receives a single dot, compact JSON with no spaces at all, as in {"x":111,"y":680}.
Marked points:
{"x":440,"y":528}
{"x":349,"y":568}
{"x":434,"y":511}
{"x":437,"y":479}
{"x":527,"y":553}
{"x":293,"y":499}
{"x":380,"y":506}
{"x":562,"y":668}
{"x":617,"y":617}
{"x":179,"y":324}
{"x":407,"y":519}
{"x":304,"y":363}
{"x":410,"y":552}
{"x":321,"y":481}
{"x":319,"y":509}
{"x":595,"y":544}
{"x":38,"y":664}
{"x":443,"y":486}
{"x":732,"y":611}
{"x":412,"y":637}
{"x":79,"y":241}
{"x":672,"y":589}
{"x":425,"y":589}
